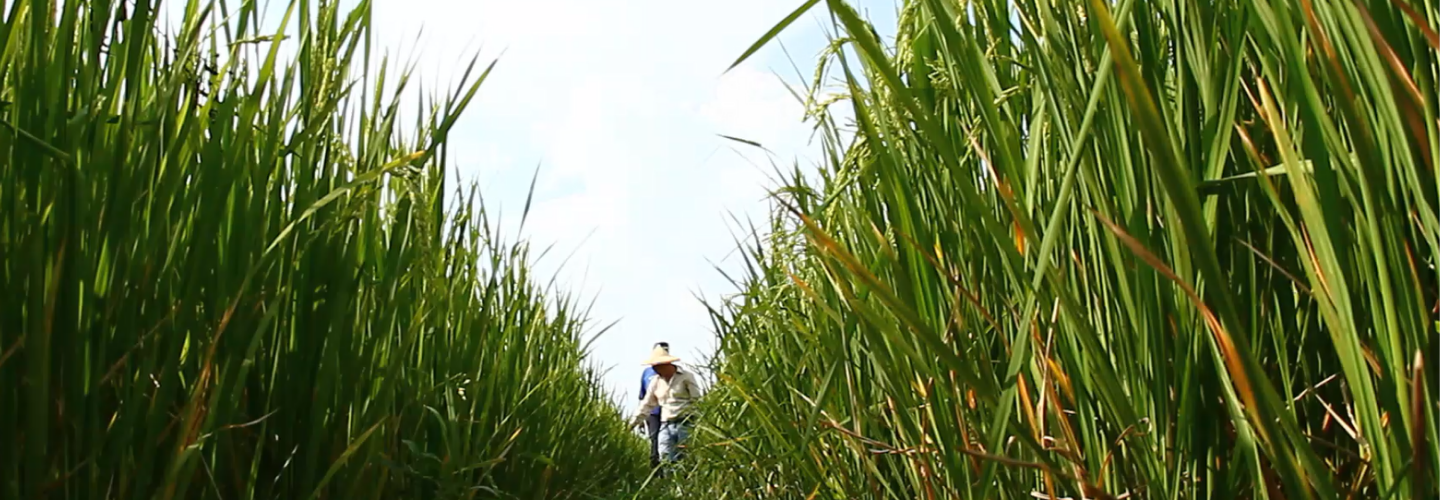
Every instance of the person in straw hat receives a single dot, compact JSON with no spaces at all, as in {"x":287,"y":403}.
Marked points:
{"x":672,"y":390}
{"x":652,"y":420}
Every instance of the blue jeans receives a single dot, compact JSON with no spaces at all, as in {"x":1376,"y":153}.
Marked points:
{"x":672,"y":435}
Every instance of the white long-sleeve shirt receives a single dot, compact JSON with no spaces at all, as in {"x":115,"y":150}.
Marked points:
{"x":672,"y":396}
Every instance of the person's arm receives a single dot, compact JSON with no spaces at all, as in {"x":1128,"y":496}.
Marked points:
{"x":690,"y":387}
{"x":646,"y":405}
{"x":643,"y":384}
{"x":695,"y":386}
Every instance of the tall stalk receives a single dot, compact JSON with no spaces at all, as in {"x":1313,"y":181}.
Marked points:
{"x":231,"y":273}
{"x":1144,"y":249}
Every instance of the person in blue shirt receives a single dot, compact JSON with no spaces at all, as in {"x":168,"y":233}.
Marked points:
{"x":652,"y":422}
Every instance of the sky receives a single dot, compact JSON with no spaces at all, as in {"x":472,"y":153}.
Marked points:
{"x":620,"y":106}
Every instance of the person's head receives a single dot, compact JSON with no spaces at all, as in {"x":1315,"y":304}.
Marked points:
{"x":661,"y":361}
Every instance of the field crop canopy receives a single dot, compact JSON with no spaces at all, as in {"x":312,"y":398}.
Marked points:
{"x":229,"y":272}
{"x":1087,"y":249}
{"x":1163,"y":249}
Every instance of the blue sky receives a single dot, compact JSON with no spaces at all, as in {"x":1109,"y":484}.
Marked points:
{"x":620,"y":104}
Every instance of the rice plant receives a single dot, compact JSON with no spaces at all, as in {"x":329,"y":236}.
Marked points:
{"x":1134,"y":249}
{"x":229,"y":272}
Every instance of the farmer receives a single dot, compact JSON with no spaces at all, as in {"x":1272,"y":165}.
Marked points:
{"x":653,"y":419}
{"x":672,"y":390}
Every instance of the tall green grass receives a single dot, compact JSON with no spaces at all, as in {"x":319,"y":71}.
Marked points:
{"x":229,"y":274}
{"x":1142,"y":249}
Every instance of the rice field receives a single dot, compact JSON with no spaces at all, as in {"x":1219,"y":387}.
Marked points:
{"x":232,"y":271}
{"x":1103,"y":250}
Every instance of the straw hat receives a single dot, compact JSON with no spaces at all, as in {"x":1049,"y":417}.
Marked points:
{"x":660,"y":356}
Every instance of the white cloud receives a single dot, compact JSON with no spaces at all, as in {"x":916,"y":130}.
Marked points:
{"x":749,"y":100}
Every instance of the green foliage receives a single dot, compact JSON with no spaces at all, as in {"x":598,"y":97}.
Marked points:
{"x":233,"y":274}
{"x":1159,"y":249}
